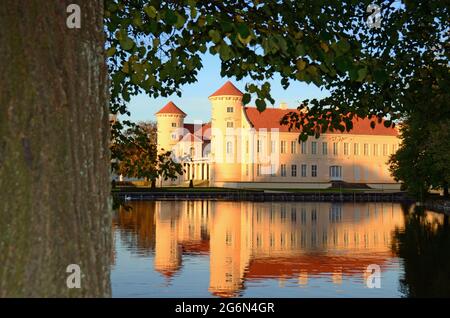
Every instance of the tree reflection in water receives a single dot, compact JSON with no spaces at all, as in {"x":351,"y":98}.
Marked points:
{"x":424,"y":246}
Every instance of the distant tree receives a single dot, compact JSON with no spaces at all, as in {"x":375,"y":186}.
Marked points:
{"x":137,"y":155}
{"x":423,"y":160}
{"x":167,"y":167}
{"x":150,"y":128}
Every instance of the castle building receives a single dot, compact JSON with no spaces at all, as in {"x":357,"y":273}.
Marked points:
{"x":241,"y":147}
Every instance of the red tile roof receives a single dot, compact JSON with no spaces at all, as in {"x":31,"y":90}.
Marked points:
{"x":190,"y":138}
{"x":227,"y":89}
{"x":189,"y":127}
{"x":270,"y":119}
{"x":203,"y":132}
{"x":171,"y":108}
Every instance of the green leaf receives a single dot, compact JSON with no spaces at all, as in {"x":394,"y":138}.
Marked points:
{"x":180,"y":21}
{"x":342,"y":63}
{"x":301,"y":64}
{"x":246,"y":98}
{"x":170,"y":17}
{"x":343,"y":46}
{"x":215,"y":36}
{"x":362,"y":72}
{"x":126,"y":43}
{"x":246,"y":40}
{"x":150,"y":11}
{"x":260,"y":104}
{"x":300,"y":49}
{"x":225,"y":52}
{"x":243,"y":30}
{"x":303,"y":136}
{"x":380,"y":76}
{"x":111,"y":51}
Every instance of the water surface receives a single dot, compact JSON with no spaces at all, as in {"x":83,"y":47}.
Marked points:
{"x":278,"y":249}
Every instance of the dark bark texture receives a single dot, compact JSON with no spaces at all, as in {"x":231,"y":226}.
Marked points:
{"x":54,"y":157}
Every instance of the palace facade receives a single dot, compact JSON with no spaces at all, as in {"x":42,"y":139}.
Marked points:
{"x":241,"y":147}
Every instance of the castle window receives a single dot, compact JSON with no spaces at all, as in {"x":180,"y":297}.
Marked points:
{"x":385,"y":150}
{"x":273,"y":146}
{"x":246,"y":146}
{"x":346,"y":148}
{"x":173,"y":136}
{"x":230,"y":109}
{"x":230,"y":124}
{"x":336,"y":172}
{"x":283,"y":170}
{"x":192,"y":152}
{"x":229,"y":147}
{"x":293,"y":170}
{"x":304,"y":147}
{"x":324,"y":148}
{"x":258,"y":169}
{"x":356,"y":149}
{"x":366,"y":149}
{"x":375,"y":150}
{"x":258,"y":146}
{"x":293,"y":146}
{"x":304,"y":170}
{"x":314,"y":215}
{"x":174,"y":124}
{"x":313,"y":170}
{"x":303,"y":216}
{"x":314,"y":147}
{"x":394,"y":148}
{"x":283,"y":146}
{"x":246,"y":169}
{"x":228,"y":238}
{"x":335,"y":148}
{"x":293,"y":215}
{"x":273,"y":171}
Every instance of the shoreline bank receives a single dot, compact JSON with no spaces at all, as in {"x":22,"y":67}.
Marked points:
{"x":262,"y":196}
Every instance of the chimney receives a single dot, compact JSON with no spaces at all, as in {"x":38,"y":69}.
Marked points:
{"x":283,"y":105}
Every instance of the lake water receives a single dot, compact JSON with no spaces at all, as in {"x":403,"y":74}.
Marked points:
{"x":278,"y":249}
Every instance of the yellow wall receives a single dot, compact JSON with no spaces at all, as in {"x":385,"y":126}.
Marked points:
{"x":370,"y":168}
{"x":225,"y":166}
{"x":165,"y":130}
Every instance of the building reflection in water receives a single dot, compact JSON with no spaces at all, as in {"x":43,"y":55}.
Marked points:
{"x":249,"y":241}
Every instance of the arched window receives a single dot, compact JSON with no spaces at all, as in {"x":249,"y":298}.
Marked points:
{"x":192,"y":152}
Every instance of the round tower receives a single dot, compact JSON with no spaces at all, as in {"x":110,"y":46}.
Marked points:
{"x":226,"y":123}
{"x":170,"y":124}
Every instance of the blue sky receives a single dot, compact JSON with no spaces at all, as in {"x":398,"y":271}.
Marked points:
{"x":194,"y":100}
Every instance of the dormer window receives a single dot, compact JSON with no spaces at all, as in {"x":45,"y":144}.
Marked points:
{"x":230,"y":109}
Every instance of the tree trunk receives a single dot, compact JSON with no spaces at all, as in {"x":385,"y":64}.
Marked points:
{"x":153,"y":184}
{"x":54,"y":155}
